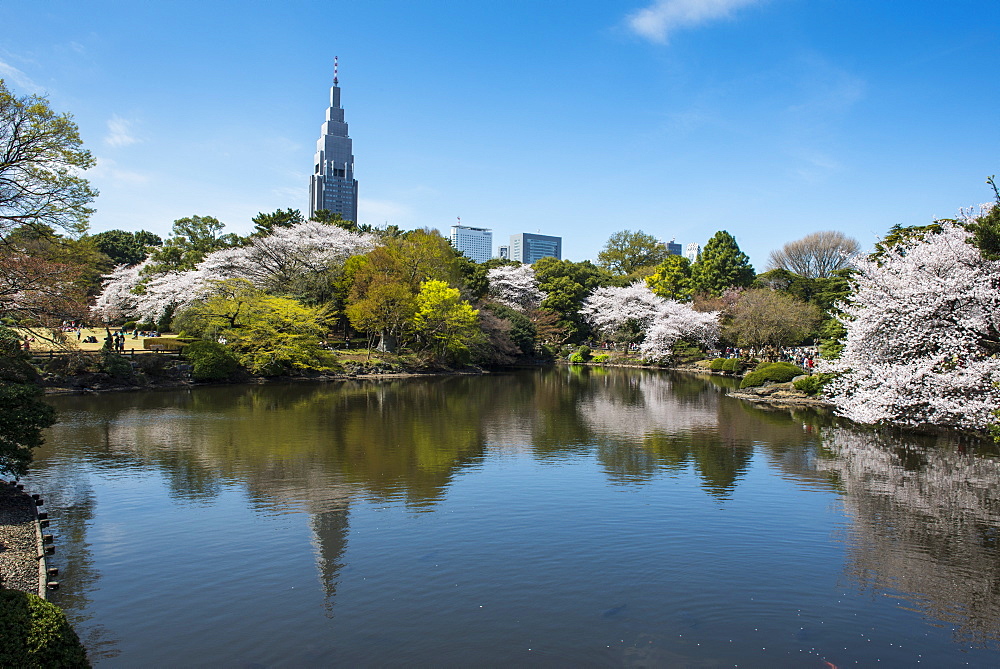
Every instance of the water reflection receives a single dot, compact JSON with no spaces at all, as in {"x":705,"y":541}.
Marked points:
{"x":924,"y":517}
{"x":926,"y":524}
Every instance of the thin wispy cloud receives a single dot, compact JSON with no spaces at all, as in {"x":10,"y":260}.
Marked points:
{"x":19,"y":78}
{"x":119,"y":132}
{"x":657,"y":21}
{"x":107,"y":170}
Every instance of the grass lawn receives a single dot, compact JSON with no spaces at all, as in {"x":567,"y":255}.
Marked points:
{"x":71,"y":342}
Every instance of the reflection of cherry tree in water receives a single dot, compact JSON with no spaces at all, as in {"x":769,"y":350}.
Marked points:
{"x":926,"y":524}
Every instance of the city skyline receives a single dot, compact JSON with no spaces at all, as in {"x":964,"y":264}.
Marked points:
{"x":768,"y":119}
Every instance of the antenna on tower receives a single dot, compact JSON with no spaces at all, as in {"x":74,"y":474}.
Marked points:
{"x":335,"y":70}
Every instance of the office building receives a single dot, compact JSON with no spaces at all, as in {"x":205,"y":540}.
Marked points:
{"x":503,"y":251}
{"x":691,"y":251}
{"x":332,"y":185}
{"x":474,"y":243}
{"x":529,"y":248}
{"x":674,"y":249}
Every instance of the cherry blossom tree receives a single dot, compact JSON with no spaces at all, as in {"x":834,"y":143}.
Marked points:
{"x":923,"y":335}
{"x":635,"y":313}
{"x":269,"y":263}
{"x":515,"y":286}
{"x":678,"y":321}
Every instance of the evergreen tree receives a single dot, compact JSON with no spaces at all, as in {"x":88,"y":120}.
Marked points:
{"x":721,"y":265}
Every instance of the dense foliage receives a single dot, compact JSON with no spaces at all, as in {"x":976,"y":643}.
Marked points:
{"x":34,"y":634}
{"x":23,"y":414}
{"x":771,"y":372}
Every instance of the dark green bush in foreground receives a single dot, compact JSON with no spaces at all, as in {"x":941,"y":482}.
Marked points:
{"x":35,"y":633}
{"x":717,"y":364}
{"x":210,"y":361}
{"x":773,"y":372}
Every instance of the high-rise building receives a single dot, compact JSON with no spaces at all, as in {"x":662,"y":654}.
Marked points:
{"x":691,"y":251}
{"x":474,"y":243}
{"x":528,"y":248}
{"x":332,"y":185}
{"x":503,"y":251}
{"x":674,"y":249}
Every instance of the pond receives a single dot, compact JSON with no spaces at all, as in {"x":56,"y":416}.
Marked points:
{"x":562,"y":517}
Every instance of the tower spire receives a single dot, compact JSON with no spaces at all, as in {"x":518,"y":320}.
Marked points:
{"x":335,"y":63}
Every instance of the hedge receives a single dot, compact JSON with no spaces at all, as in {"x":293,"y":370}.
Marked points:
{"x":601,"y":357}
{"x":773,"y":372}
{"x":35,"y":633}
{"x":717,"y":364}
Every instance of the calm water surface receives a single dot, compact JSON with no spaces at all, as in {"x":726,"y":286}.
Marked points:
{"x":556,"y":518}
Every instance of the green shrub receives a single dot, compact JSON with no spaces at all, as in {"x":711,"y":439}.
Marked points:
{"x":115,"y":365}
{"x":153,"y":365}
{"x":775,"y":372}
{"x":35,"y":633}
{"x":717,"y":364}
{"x":128,"y":325}
{"x":210,"y":361}
{"x":601,"y":357}
{"x":585,"y":352}
{"x":686,"y":353}
{"x":813,"y":385}
{"x":576,"y":358}
{"x":145,"y":326}
{"x":731,"y":365}
{"x":165,"y":343}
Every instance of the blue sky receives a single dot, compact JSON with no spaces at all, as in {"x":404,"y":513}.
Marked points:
{"x":768,"y":118}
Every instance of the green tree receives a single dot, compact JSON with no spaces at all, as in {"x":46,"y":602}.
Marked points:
{"x":265,"y":224}
{"x":721,"y":265}
{"x":672,"y":279}
{"x":627,"y":252}
{"x":445,"y":323}
{"x":567,"y":284}
{"x":191,"y":240}
{"x":125,"y":248}
{"x":40,"y":160}
{"x":386,"y":281}
{"x":23,"y":413}
{"x":269,"y":335}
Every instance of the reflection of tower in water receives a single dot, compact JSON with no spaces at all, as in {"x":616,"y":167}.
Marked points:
{"x":330,"y":529}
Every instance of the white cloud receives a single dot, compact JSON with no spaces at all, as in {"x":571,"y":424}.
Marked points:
{"x":107,"y":170}
{"x":20,"y":79}
{"x":119,"y":132}
{"x":663,"y":17}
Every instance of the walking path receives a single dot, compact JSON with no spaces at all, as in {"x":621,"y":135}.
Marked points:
{"x":19,"y":549}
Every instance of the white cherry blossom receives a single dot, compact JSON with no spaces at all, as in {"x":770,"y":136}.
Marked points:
{"x":515,"y":286}
{"x":923,"y":336}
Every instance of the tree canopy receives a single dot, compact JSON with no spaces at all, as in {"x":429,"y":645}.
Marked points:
{"x":41,"y":155}
{"x":627,"y":252}
{"x":721,"y":265}
{"x":818,"y":255}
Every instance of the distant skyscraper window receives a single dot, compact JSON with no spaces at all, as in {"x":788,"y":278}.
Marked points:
{"x":332,"y":185}
{"x":474,"y":243}
{"x":529,"y":248}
